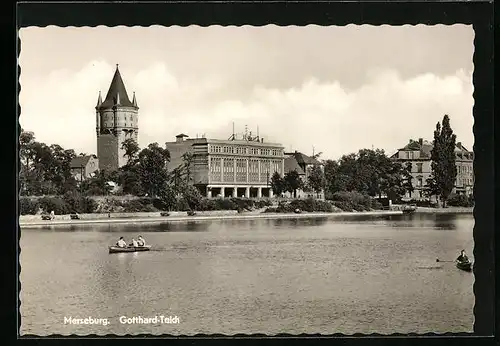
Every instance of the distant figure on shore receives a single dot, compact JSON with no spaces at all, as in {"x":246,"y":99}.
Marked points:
{"x":463,"y":257}
{"x":52,"y":215}
{"x":121,"y":243}
{"x":141,"y":241}
{"x":134,"y":243}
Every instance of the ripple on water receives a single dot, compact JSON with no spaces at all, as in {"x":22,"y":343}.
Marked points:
{"x":264,"y":276}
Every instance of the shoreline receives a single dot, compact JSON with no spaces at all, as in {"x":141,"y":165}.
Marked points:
{"x":154,"y":219}
{"x":34,"y":221}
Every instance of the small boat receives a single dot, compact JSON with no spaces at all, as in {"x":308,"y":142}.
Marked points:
{"x":115,"y":249}
{"x":467,"y":266}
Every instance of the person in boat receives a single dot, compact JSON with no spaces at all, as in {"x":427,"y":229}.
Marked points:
{"x":134,"y":243}
{"x":463,"y":257}
{"x":141,"y":241}
{"x":121,"y":243}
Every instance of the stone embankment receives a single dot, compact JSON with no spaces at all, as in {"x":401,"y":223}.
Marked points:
{"x":155,"y":217}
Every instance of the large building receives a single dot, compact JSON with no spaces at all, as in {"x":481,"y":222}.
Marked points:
{"x":229,"y":168}
{"x":418,"y":153}
{"x":116,"y":121}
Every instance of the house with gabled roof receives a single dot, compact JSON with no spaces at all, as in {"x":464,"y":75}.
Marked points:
{"x":303,"y":164}
{"x":84,"y":166}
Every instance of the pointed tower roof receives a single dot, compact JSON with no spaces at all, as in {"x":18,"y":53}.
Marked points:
{"x":116,"y":92}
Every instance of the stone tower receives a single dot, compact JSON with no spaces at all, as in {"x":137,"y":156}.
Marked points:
{"x":116,"y":121}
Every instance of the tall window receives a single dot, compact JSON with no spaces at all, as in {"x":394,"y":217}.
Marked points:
{"x":264,"y":170}
{"x":419,"y":167}
{"x":215,"y":169}
{"x":241,"y":170}
{"x":228,"y":169}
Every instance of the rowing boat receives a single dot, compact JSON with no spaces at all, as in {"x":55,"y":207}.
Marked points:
{"x":467,"y":266}
{"x":115,"y":249}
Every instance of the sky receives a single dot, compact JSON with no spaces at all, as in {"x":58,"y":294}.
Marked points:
{"x":334,"y":89}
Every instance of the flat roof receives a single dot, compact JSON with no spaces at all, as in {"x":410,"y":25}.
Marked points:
{"x":229,"y":142}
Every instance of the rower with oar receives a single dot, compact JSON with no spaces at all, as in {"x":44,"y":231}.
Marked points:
{"x":462,"y":262}
{"x":462,"y":258}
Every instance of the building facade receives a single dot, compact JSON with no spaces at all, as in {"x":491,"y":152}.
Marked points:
{"x":84,"y":167}
{"x":116,"y":121}
{"x":303,"y":164}
{"x":418,"y":153}
{"x":229,"y":168}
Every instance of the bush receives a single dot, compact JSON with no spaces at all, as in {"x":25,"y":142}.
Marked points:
{"x":72,"y":200}
{"x":455,"y":200}
{"x":349,"y":201}
{"x":226,"y":204}
{"x":376,"y":205}
{"x":88,"y":205}
{"x":139,"y":205}
{"x":308,"y":205}
{"x":181,"y":204}
{"x":76,"y":203}
{"x":28,"y":206}
{"x":207,"y":204}
{"x":56,"y":204}
{"x":263,"y":203}
{"x":192,"y":197}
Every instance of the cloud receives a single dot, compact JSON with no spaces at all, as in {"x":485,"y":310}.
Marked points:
{"x":384,"y":112}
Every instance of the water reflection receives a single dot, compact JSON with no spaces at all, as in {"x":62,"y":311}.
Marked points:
{"x":435,"y":221}
{"x":417,"y":220}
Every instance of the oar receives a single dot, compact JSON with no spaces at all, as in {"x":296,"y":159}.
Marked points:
{"x":438,"y":260}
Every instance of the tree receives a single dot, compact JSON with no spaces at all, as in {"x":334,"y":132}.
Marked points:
{"x":131,"y":149}
{"x":277,"y":184}
{"x":98,"y":185}
{"x":293,"y":182}
{"x":408,"y":178}
{"x":444,"y":170}
{"x":26,"y":153}
{"x":369,"y":172}
{"x":316,"y":179}
{"x":152,"y":166}
{"x":192,"y":196}
{"x":167,"y":196}
{"x":130,"y":180}
{"x":187,"y":165}
{"x":176,"y":180}
{"x":431,"y":187}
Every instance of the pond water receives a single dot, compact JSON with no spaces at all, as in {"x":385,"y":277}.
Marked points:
{"x":354,"y":275}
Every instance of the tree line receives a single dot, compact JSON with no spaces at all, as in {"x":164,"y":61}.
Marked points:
{"x":45,"y":170}
{"x":369,"y":172}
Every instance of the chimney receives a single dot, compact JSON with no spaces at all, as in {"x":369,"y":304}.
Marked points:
{"x":420,"y":141}
{"x":262,"y":140}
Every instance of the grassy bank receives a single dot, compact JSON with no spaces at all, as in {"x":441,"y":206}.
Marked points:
{"x":449,"y":210}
